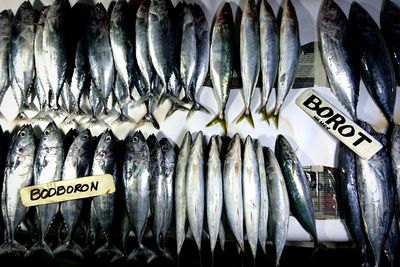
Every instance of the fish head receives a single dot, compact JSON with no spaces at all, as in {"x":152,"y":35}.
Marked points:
{"x":43,"y":15}
{"x":25,"y":13}
{"x":51,"y":137}
{"x":234,"y":148}
{"x":225,"y":17}
{"x":139,"y":144}
{"x":153,"y":143}
{"x":187,"y":15}
{"x":119,"y":10}
{"x":143,"y":10}
{"x":283,"y":147}
{"x":289,"y":14}
{"x":187,"y":139}
{"x":106,"y":146}
{"x":23,"y":141}
{"x":99,"y":15}
{"x":250,"y":9}
{"x":267,"y":10}
{"x":199,"y":18}
{"x":198,"y":143}
{"x":5,"y":18}
{"x":159,"y":9}
{"x":168,"y":151}
{"x":84,"y":140}
{"x":360,"y":18}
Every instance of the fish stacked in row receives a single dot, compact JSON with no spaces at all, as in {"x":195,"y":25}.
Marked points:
{"x":154,"y":181}
{"x":373,"y":54}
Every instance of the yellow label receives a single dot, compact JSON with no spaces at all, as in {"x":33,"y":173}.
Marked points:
{"x":338,"y":124}
{"x":89,"y":186}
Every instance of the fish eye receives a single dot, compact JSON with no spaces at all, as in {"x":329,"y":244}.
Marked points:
{"x":21,"y":150}
{"x":46,"y":132}
{"x":164,"y":147}
{"x":108,"y":138}
{"x":22,"y":134}
{"x":85,"y":136}
{"x":135,"y":139}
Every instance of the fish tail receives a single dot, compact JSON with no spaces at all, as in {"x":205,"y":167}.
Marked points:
{"x":172,"y":110}
{"x":219,"y":118}
{"x":167,"y":254}
{"x":197,"y":107}
{"x":12,"y":247}
{"x":317,"y":247}
{"x":71,"y":248}
{"x":40,"y":246}
{"x":263,"y":113}
{"x":212,"y":257}
{"x":262,"y":245}
{"x":187,"y":100}
{"x":274,"y":116}
{"x":107,"y":249}
{"x":148,"y":118}
{"x":246,"y":115}
{"x":141,"y":252}
{"x":200,"y":261}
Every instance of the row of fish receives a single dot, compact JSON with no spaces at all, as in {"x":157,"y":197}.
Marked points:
{"x":356,"y":46}
{"x":248,"y":184}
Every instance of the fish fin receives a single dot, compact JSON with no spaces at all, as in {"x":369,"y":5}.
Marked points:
{"x":317,"y":247}
{"x":187,"y":100}
{"x":167,"y":254}
{"x":197,"y":107}
{"x":70,"y":248}
{"x":148,"y":118}
{"x":140,"y":252}
{"x":263,"y":113}
{"x":13,"y":247}
{"x":275,"y":118}
{"x":245,"y":115}
{"x":107,"y":249}
{"x":175,"y":107}
{"x":40,"y":246}
{"x":218,"y":119}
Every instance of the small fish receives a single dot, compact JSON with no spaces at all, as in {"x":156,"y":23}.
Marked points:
{"x":391,"y":246}
{"x":394,"y":156}
{"x":269,"y":50}
{"x":221,"y":61}
{"x":18,"y":173}
{"x":338,"y":57}
{"x":289,"y":47}
{"x":264,"y":201}
{"x":249,"y":57}
{"x":6,"y":20}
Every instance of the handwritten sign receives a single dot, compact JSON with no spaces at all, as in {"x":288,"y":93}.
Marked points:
{"x":338,"y":124}
{"x":67,"y":190}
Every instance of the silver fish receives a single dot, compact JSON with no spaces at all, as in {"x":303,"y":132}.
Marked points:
{"x":392,"y":243}
{"x":297,"y":185}
{"x":269,"y":50}
{"x":337,"y":55}
{"x":48,"y":164}
{"x":264,"y":200}
{"x":251,"y":194}
{"x":233,"y":195}
{"x":214,"y":193}
{"x":221,"y":61}
{"x":136,"y":185}
{"x":104,"y":162}
{"x":289,"y":45}
{"x":249,"y":57}
{"x":394,"y":156}
{"x":122,"y":96}
{"x":180,"y":191}
{"x":77,"y":164}
{"x":55,"y":46}
{"x":195,"y":189}
{"x":6,"y":18}
{"x":375,"y":186}
{"x":21,"y":61}
{"x":18,"y":173}
{"x":279,"y":208}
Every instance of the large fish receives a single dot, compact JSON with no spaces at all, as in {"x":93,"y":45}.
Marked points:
{"x":249,"y":56}
{"x":47,"y":168}
{"x":104,"y":162}
{"x":289,"y":56}
{"x":77,"y":164}
{"x":347,"y":171}
{"x":101,"y":62}
{"x":195,"y":189}
{"x":297,"y":185}
{"x":55,"y":46}
{"x":202,"y":56}
{"x":21,"y":61}
{"x":136,"y":188}
{"x":180,"y":191}
{"x":18,"y":173}
{"x":377,"y":70}
{"x":221,"y":61}
{"x":390,"y":21}
{"x":251,"y":194}
{"x":6,"y":18}
{"x":338,"y":56}
{"x":375,"y":187}
{"x":233,"y":193}
{"x":264,"y":201}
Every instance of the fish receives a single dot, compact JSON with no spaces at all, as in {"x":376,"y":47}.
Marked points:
{"x":377,"y":71}
{"x":279,"y":205}
{"x":104,"y":162}
{"x":202,"y":33}
{"x":264,"y":200}
{"x":297,"y":185}
{"x":21,"y":60}
{"x":100,"y":56}
{"x":214,"y":193}
{"x":221,"y":61}
{"x":122,"y":96}
{"x":48,"y":166}
{"x":18,"y":173}
{"x":338,"y":55}
{"x":251,"y":194}
{"x":180,"y":191}
{"x":269,"y":52}
{"x":136,"y":188}
{"x":77,"y":164}
{"x":375,"y":187}
{"x":6,"y":20}
{"x":347,"y":172}
{"x":394,"y":151}
{"x":249,"y":57}
{"x":233,"y":192}
{"x":391,"y":246}
{"x":144,"y":62}
{"x":158,"y":196}
{"x":289,"y":56}
{"x":389,"y":22}
{"x":55,"y":47}
{"x":195,"y":189}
